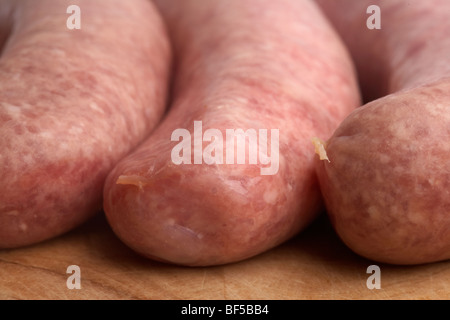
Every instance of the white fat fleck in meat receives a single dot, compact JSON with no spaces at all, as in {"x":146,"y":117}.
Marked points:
{"x":75,"y":130}
{"x":236,"y":186}
{"x":290,"y":187}
{"x":437,"y":111}
{"x":58,"y":52}
{"x":384,"y":158}
{"x":28,"y":159}
{"x":12,"y":110}
{"x":46,"y":134}
{"x":13,"y":213}
{"x":151,"y":168}
{"x":270,"y":196}
{"x":241,"y":100}
{"x":183,"y":230}
{"x":94,"y":106}
{"x":417,"y":217}
{"x":373,"y":213}
{"x":187,"y":231}
{"x":64,"y":146}
{"x":16,"y":77}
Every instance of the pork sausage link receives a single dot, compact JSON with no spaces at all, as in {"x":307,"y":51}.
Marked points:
{"x":250,"y":65}
{"x":72,"y":103}
{"x":387,"y":185}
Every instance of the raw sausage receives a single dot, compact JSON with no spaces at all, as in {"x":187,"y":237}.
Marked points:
{"x":72,"y":103}
{"x":258,"y":66}
{"x":387,"y":183}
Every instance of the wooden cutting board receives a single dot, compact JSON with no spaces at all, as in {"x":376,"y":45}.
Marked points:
{"x":313,"y":265}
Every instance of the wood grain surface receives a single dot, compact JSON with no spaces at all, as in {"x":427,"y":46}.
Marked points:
{"x":313,"y":265}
